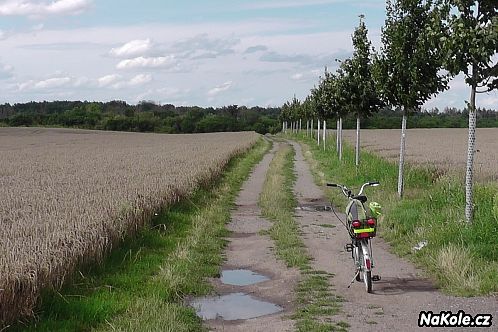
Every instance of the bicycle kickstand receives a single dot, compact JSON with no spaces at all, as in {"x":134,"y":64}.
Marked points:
{"x":354,"y":278}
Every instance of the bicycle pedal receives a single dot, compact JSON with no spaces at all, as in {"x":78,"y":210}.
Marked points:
{"x":376,"y":277}
{"x":348,"y":247}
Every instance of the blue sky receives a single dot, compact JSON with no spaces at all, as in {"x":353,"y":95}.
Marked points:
{"x":207,"y":53}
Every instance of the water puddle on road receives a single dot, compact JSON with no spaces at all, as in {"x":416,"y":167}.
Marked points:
{"x":314,"y":207}
{"x":232,"y":307}
{"x":241,"y":277}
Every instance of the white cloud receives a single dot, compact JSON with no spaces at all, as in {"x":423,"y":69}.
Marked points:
{"x":143,"y":62}
{"x":132,"y":48}
{"x":107,"y":80}
{"x":297,"y":76}
{"x":489,"y":101}
{"x":37,"y":9}
{"x":5,"y":71}
{"x":50,"y":83}
{"x":38,"y":27}
{"x":140,"y":79}
{"x":220,"y":88}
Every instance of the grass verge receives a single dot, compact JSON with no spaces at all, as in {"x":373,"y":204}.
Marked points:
{"x":316,"y":302}
{"x":463,"y":259}
{"x":142,"y":286}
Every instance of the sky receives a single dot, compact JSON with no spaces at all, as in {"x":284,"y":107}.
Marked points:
{"x":206,"y":53}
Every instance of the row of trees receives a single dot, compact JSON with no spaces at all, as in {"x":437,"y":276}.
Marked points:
{"x":424,"y":44}
{"x":143,"y":117}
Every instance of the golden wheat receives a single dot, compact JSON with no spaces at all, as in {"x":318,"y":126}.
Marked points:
{"x":68,"y":195}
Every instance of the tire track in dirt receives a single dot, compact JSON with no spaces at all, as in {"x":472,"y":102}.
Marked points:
{"x":249,"y":249}
{"x":403,"y":291}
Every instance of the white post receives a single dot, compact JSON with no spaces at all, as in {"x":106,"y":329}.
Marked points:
{"x":324,"y":133}
{"x":402,"y":156}
{"x":471,"y":150}
{"x":340,"y":138}
{"x":357,"y":140}
{"x":318,"y":132}
{"x":337,"y":136}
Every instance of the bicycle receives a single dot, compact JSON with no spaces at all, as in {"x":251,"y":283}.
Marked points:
{"x":361,"y":228}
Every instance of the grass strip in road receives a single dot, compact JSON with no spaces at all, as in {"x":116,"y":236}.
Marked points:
{"x":462,"y":258}
{"x":316,"y":302}
{"x":142,"y":286}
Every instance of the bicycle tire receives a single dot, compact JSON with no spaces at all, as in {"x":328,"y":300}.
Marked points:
{"x":358,"y":262}
{"x":367,"y":278}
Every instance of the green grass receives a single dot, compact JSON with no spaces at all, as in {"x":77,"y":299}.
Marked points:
{"x":315,"y":301}
{"x":142,"y":285}
{"x":462,"y":258}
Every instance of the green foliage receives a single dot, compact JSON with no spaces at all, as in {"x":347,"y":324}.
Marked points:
{"x":358,"y":82}
{"x":432,"y":210}
{"x":470,"y":41}
{"x":407,"y":71}
{"x":144,"y":117}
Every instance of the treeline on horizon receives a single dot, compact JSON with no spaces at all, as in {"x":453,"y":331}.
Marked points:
{"x":144,"y":117}
{"x":151,"y":117}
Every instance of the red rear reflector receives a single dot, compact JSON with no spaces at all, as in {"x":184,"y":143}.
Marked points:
{"x":356,"y":223}
{"x":368,"y":264}
{"x":371,"y":222}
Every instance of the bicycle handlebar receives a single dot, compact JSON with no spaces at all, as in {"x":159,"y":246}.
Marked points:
{"x":348,"y":193}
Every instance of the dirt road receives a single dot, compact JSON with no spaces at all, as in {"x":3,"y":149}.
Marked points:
{"x":396,"y":300}
{"x":249,"y":250}
{"x":402,"y":292}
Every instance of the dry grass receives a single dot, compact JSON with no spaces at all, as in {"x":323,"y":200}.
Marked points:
{"x":443,"y":148}
{"x":69,"y":195}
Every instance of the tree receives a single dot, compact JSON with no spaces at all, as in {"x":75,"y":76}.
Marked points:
{"x":407,"y":71}
{"x":471,"y":47}
{"x":363,"y":99}
{"x":342,"y":86}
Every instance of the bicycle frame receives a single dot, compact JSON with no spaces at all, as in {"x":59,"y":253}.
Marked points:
{"x":360,"y":247}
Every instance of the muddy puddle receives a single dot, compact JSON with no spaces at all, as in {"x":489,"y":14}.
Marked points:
{"x":314,"y":207}
{"x":241,"y":277}
{"x":232,"y":307}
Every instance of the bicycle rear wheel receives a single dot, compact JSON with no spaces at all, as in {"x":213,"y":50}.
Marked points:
{"x":366,"y":266}
{"x":367,"y":278}
{"x":358,"y":260}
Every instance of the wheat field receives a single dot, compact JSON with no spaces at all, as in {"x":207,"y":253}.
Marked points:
{"x":444,"y":148}
{"x":67,"y":196}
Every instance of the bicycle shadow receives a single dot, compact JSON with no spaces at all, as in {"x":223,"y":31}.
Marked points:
{"x":395,"y":286}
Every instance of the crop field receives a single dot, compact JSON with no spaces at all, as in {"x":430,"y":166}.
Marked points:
{"x":444,"y":148}
{"x":67,"y":196}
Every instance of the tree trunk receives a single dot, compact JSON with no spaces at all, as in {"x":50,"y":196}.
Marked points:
{"x":357,"y":139}
{"x":469,"y":204}
{"x":340,"y":138}
{"x":312,"y":129}
{"x":324,"y":133}
{"x":283,"y":127}
{"x":318,"y":131}
{"x":402,"y":155}
{"x":300,"y":123}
